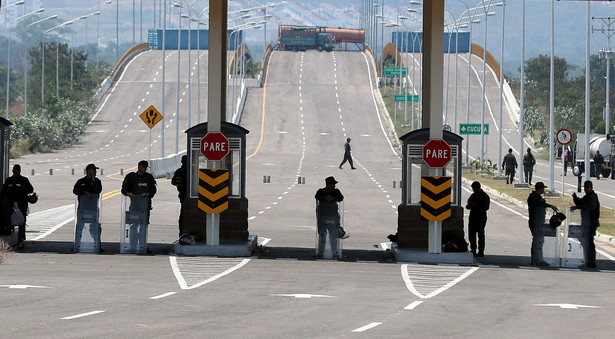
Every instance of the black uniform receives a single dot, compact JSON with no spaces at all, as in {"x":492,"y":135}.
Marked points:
{"x":83,"y":185}
{"x":510,"y":164}
{"x":536,"y":207}
{"x":528,"y":167}
{"x":15,"y":190}
{"x":180,"y":180}
{"x":347,"y":156}
{"x":137,"y":185}
{"x":478,"y":204}
{"x":590,"y":215}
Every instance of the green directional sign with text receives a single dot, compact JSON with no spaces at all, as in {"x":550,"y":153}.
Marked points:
{"x":395,"y":71}
{"x":473,"y":128}
{"x":402,"y":98}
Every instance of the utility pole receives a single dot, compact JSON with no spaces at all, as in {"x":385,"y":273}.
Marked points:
{"x":605,"y":27}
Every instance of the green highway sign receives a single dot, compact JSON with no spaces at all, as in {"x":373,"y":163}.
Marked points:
{"x":402,"y":98}
{"x":473,"y":129}
{"x":395,"y":71}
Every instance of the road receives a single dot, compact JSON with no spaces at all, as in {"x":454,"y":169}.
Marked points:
{"x":298,"y":123}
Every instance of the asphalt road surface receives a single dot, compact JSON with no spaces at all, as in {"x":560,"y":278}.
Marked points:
{"x":298,"y":123}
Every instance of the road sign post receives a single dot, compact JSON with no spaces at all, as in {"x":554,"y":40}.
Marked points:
{"x":151,"y":117}
{"x":473,"y":129}
{"x":404,"y":98}
{"x":214,"y":147}
{"x":437,"y":153}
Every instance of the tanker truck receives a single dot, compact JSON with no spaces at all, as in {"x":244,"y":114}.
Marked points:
{"x":597,"y":142}
{"x":301,"y":38}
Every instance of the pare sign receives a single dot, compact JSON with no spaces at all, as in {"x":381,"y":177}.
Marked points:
{"x":437,"y":153}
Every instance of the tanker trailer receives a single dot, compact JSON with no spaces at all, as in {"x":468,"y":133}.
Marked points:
{"x":301,"y":38}
{"x":597,"y":142}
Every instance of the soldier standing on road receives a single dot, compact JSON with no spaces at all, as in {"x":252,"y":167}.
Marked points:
{"x":509,"y":164}
{"x":536,"y":206}
{"x":179,"y":181}
{"x":328,"y":216}
{"x":590,"y":215}
{"x":140,"y":186}
{"x":528,"y":166}
{"x":15,"y":193}
{"x":87,"y":189}
{"x":347,"y":155}
{"x":598,"y":161}
{"x":478,"y":204}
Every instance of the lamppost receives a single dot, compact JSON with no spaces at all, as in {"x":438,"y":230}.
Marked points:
{"x":98,"y":32}
{"x":198,"y":73}
{"x":43,"y":57}
{"x":8,"y":65}
{"x":608,"y":55}
{"x":187,"y":16}
{"x":25,"y":94}
{"x":503,"y":4}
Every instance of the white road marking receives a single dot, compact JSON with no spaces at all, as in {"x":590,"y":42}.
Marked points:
{"x":195,"y":272}
{"x":367,"y":327}
{"x":162,"y":295}
{"x":43,"y":223}
{"x":302,"y":296}
{"x":23,"y":287}
{"x":567,"y":306}
{"x":426,"y":281}
{"x":413,"y":305}
{"x":81,"y":315}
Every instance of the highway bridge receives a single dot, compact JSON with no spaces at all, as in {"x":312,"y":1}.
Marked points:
{"x":298,"y":121}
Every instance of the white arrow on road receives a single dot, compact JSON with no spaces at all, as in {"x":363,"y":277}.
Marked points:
{"x":568,"y":306}
{"x":302,"y":296}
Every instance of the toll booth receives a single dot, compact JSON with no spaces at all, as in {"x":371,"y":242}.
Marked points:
{"x":412,"y":229}
{"x":5,"y":129}
{"x":234,"y":220}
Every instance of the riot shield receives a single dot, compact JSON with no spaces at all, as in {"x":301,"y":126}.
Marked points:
{"x":329,"y":232}
{"x":87,"y":224}
{"x":135,"y":218}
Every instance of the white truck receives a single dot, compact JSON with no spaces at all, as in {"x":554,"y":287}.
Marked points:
{"x":597,"y":142}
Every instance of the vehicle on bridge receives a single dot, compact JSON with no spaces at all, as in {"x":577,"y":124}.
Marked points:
{"x":597,"y":142}
{"x":302,"y":38}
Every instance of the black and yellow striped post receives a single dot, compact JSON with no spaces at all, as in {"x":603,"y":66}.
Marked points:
{"x":436,"y":198}
{"x":213,"y":190}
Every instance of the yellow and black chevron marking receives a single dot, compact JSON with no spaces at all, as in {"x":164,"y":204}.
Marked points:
{"x":436,"y":198}
{"x":213,"y":190}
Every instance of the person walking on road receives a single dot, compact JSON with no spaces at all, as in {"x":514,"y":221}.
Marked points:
{"x":328,"y":216}
{"x":14,"y":194}
{"x":566,"y":156}
{"x":537,"y":206}
{"x":590,"y":215}
{"x":180,"y":181}
{"x":528,"y":166}
{"x":347,"y":155}
{"x":598,"y":161}
{"x":509,"y":164}
{"x":478,"y":204}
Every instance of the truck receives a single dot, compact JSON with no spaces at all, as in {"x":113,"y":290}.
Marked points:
{"x":302,"y":38}
{"x":597,"y":142}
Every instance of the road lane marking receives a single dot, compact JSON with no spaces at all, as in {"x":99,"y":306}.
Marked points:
{"x":413,"y":305}
{"x":82,"y":315}
{"x":302,"y":295}
{"x":567,"y":306}
{"x":426,"y":281}
{"x":162,"y":295}
{"x":366,"y":327}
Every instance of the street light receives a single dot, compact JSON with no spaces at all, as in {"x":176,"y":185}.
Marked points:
{"x":98,"y":31}
{"x":43,"y":58}
{"x":189,"y":7}
{"x":8,"y":65}
{"x":25,"y":94}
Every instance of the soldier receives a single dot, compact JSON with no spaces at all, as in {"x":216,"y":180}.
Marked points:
{"x":536,"y":206}
{"x":528,"y":166}
{"x":478,"y":204}
{"x":15,"y":193}
{"x":590,"y":215}
{"x":509,"y":164}
{"x":180,"y":181}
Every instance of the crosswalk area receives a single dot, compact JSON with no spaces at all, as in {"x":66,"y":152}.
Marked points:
{"x":41,"y":224}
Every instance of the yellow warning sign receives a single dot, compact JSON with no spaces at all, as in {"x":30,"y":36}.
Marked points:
{"x":436,"y":198}
{"x":213,"y":190}
{"x":151,"y":116}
